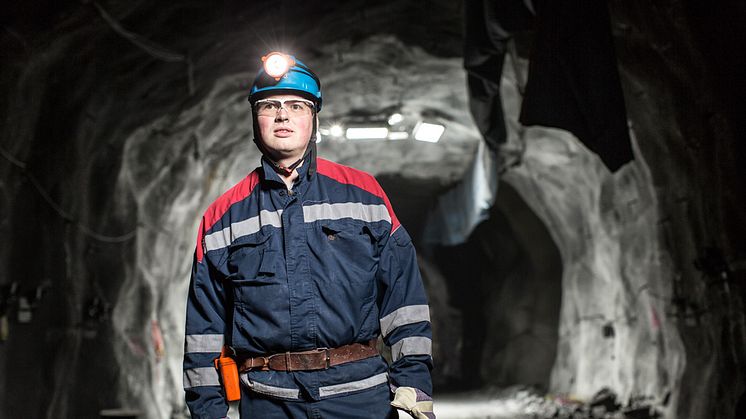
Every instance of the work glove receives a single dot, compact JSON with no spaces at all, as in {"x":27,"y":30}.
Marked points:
{"x":413,"y":401}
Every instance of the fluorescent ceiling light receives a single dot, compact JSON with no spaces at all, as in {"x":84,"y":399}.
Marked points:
{"x":428,"y":132}
{"x":336,"y":130}
{"x":398,"y":135}
{"x":367,"y":133}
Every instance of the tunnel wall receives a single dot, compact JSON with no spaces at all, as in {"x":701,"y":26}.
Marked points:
{"x":679,"y":63}
{"x":73,"y":91}
{"x":653,"y":261}
{"x":616,"y":275}
{"x":613,"y":329}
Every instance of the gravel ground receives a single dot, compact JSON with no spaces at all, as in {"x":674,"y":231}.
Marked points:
{"x":524,"y":403}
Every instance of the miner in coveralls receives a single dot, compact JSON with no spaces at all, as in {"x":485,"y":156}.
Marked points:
{"x":299,"y":270}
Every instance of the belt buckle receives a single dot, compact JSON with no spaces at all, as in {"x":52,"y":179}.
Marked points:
{"x":327,"y":358}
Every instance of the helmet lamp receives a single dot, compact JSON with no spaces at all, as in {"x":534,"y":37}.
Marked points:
{"x":276,"y":64}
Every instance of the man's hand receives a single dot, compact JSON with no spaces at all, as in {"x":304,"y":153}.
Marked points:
{"x":414,"y":402}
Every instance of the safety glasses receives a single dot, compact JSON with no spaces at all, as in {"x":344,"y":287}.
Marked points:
{"x":294,"y":107}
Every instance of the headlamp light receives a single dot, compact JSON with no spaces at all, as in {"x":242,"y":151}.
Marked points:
{"x":276,"y":64}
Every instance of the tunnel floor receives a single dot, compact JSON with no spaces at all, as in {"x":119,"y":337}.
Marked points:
{"x":520,"y":402}
{"x":482,"y":405}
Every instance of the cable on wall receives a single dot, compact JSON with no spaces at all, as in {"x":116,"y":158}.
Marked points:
{"x":61,"y":211}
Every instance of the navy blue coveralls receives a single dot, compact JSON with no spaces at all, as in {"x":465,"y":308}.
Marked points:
{"x":324,"y":264}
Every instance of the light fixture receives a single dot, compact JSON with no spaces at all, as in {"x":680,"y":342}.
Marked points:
{"x":24,"y":310}
{"x":398,"y":135}
{"x":367,"y":133}
{"x":430,"y":133}
{"x":336,"y":130}
{"x":395,"y":118}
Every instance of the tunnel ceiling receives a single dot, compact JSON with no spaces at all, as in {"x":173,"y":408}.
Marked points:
{"x":123,"y":120}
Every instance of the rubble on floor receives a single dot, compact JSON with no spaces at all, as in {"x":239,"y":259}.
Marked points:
{"x":603,"y":405}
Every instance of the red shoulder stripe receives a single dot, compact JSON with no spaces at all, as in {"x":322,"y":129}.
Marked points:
{"x":217,"y":209}
{"x":363,"y":180}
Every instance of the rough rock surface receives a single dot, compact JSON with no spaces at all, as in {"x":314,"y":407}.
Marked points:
{"x":107,"y":161}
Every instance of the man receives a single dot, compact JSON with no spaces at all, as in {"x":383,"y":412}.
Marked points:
{"x":299,"y":268}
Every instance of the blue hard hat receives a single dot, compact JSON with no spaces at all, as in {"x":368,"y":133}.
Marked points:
{"x":284,"y":74}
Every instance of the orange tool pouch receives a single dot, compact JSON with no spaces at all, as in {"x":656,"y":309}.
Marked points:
{"x":228,"y":370}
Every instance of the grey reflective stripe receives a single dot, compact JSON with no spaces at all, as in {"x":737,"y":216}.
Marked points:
{"x":203,"y":343}
{"x":415,"y":345}
{"x":369,"y":213}
{"x":354,"y":385}
{"x":404,"y":315}
{"x":228,"y":235}
{"x":199,"y":377}
{"x":286,"y":393}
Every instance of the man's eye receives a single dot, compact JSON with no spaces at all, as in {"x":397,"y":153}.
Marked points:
{"x":296,"y":106}
{"x":269,"y":106}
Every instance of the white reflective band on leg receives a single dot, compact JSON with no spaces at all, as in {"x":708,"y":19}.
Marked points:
{"x":403,"y":316}
{"x":203,"y":343}
{"x":228,"y":235}
{"x":354,"y":385}
{"x":415,"y":345}
{"x":286,"y":393}
{"x":200,"y":377}
{"x":355,"y":210}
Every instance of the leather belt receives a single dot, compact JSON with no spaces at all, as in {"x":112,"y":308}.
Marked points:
{"x":314,"y":359}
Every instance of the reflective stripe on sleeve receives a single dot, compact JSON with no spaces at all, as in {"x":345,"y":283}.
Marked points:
{"x":355,"y":210}
{"x":415,"y":345}
{"x":285,"y":393}
{"x":353,"y":385}
{"x":404,"y":315}
{"x":200,"y":377}
{"x":228,"y":235}
{"x":203,"y":343}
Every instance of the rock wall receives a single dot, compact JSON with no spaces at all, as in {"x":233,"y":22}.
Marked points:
{"x":679,"y":64}
{"x":614,"y":329}
{"x":106,"y":153}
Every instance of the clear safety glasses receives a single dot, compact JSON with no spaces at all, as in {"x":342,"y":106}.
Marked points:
{"x":294,"y":107}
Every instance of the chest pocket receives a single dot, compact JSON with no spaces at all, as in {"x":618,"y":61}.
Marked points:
{"x":249,"y":257}
{"x":350,"y":258}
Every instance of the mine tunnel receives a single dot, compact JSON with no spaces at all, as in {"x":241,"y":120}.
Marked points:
{"x":568,"y":174}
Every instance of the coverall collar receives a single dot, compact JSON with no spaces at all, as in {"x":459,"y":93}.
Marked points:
{"x":270,"y":175}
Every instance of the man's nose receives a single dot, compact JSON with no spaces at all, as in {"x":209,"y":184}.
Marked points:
{"x":282,"y":114}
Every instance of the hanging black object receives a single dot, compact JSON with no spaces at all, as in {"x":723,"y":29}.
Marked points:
{"x":488,"y":29}
{"x":573,"y":82}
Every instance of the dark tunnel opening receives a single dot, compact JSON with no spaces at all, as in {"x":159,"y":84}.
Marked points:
{"x":508,"y":285}
{"x":504,"y":283}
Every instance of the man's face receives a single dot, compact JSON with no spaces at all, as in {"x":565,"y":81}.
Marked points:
{"x":285,"y":131}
